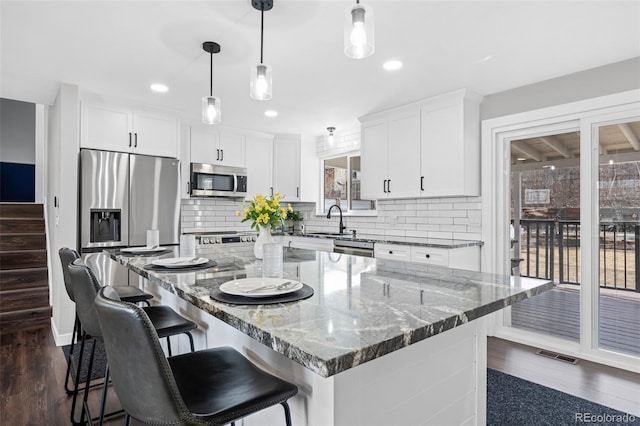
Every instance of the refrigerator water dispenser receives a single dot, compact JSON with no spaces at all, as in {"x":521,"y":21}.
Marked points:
{"x":105,"y":225}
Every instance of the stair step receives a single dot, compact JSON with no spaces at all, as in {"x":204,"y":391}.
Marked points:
{"x":24,"y":299}
{"x":21,"y":226}
{"x":23,"y":242}
{"x":17,"y":279}
{"x":25,"y":320}
{"x":23,"y":259}
{"x":21,"y":210}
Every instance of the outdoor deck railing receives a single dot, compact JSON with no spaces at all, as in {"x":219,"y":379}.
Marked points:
{"x":550,"y":249}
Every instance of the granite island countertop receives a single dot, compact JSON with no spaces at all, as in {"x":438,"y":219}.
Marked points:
{"x":362,"y":309}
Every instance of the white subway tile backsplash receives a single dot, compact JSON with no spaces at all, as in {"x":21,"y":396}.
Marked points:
{"x":458,"y":218}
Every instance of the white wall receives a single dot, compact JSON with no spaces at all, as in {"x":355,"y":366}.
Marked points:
{"x":62,"y":220}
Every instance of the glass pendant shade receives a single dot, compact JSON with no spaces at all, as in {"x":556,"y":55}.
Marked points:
{"x":358,"y":32}
{"x":211,"y":112}
{"x":261,"y":87}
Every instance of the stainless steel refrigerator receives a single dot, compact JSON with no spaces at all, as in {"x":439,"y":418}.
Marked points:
{"x":121,"y":197}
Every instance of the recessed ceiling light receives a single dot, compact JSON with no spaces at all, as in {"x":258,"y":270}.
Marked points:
{"x":159,"y":88}
{"x":271,"y":113}
{"x":521,"y":158}
{"x":392,"y":65}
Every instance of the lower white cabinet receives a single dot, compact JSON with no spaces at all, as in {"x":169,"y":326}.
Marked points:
{"x":392,"y":252}
{"x":458,"y":258}
{"x":320,"y":244}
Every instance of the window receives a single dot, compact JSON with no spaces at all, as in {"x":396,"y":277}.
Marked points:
{"x":342,"y":185}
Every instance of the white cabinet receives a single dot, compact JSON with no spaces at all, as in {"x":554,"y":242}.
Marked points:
{"x":389,"y":155}
{"x":457,"y":257}
{"x":113,"y":127}
{"x":259,"y":166}
{"x":450,"y":146}
{"x":426,"y":149}
{"x":392,"y":252}
{"x":210,"y":146}
{"x":286,"y":167}
{"x":310,"y":243}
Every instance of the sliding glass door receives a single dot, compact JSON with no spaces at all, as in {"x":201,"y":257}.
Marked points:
{"x":618,"y":307}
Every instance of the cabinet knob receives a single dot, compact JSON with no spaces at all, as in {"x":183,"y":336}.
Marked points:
{"x":427,"y":256}
{"x":390,"y":251}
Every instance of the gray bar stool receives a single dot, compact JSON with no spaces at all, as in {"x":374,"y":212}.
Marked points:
{"x":85,"y":286}
{"x":212,"y":386}
{"x":126,"y":292}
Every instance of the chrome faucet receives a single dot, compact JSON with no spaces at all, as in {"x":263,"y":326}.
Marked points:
{"x":341,"y":227}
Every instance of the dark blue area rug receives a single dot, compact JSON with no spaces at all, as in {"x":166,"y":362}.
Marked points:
{"x":99,"y":360}
{"x":514,"y":401}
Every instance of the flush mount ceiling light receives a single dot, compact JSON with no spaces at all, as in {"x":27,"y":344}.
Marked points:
{"x":211,"y":112}
{"x":159,"y":88}
{"x":358,"y":31}
{"x":392,"y":65}
{"x":261,"y":86}
{"x":330,"y":138}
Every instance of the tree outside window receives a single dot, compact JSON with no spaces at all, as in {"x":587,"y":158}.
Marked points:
{"x":342,"y":184}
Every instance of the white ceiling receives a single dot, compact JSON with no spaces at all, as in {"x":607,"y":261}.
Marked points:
{"x":120,"y":47}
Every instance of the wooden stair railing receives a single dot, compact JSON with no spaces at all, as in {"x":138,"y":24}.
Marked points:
{"x":24,"y":287}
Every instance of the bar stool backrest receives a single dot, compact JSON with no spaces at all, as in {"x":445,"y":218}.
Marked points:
{"x":67,"y":256}
{"x":140,"y":372}
{"x":85,"y":286}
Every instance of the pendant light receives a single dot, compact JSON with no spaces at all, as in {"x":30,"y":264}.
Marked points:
{"x":330,"y":138}
{"x":211,"y":112}
{"x":358,"y":31}
{"x":261,"y":87}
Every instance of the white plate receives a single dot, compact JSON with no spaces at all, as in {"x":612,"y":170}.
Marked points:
{"x":142,"y":249}
{"x":248,"y":287}
{"x":180,"y":262}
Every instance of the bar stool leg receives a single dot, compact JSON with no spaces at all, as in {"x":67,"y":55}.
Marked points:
{"x":168,"y":345}
{"x":71,"y":349}
{"x":87,"y":384}
{"x":76,"y":381}
{"x":287,"y":412}
{"x":105,"y":388}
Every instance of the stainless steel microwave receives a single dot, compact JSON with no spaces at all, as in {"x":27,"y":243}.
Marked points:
{"x":212,"y":180}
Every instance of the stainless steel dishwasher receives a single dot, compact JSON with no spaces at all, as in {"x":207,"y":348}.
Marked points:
{"x":358,"y":248}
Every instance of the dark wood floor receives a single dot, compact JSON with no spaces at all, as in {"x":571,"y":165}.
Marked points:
{"x":32,"y":371}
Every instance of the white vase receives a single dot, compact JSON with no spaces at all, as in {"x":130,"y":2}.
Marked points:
{"x":263,"y":238}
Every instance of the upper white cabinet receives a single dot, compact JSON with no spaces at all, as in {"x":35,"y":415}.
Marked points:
{"x":113,"y":127}
{"x":286,"y":167}
{"x":389,"y":150}
{"x":259,"y":166}
{"x":450,"y":145}
{"x":210,"y":146}
{"x":426,"y":149}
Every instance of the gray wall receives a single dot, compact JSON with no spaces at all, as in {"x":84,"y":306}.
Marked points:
{"x":605,"y":80}
{"x":17,"y":132}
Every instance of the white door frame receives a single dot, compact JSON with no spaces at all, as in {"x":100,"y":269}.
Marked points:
{"x":497,"y":134}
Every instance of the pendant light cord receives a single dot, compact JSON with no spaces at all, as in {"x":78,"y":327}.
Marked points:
{"x":261,"y":31}
{"x":211,"y":75}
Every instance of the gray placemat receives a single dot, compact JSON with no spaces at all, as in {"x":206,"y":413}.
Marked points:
{"x":304,"y":293}
{"x":157,"y":268}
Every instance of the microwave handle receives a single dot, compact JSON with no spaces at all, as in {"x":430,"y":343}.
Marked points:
{"x":235,"y":182}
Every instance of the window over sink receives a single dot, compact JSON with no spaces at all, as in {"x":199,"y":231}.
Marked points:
{"x":341,"y":185}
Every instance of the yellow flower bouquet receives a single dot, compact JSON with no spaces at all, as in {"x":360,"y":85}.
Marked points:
{"x":265,"y":212}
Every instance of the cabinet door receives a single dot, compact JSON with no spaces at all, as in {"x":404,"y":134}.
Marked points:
{"x":232,"y":149}
{"x":430,"y":255}
{"x":373,"y":157}
{"x":404,"y":156}
{"x":105,"y":127}
{"x":204,"y":146}
{"x":155,"y":134}
{"x":286,"y":168}
{"x":259,"y":167}
{"x":392,"y":252}
{"x":443,"y":167}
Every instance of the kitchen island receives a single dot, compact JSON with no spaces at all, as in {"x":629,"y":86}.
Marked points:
{"x":379,"y":342}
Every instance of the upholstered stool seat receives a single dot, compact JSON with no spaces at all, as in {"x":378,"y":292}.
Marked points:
{"x":208,"y":387}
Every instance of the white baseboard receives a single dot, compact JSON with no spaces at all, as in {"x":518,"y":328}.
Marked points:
{"x":60,"y":339}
